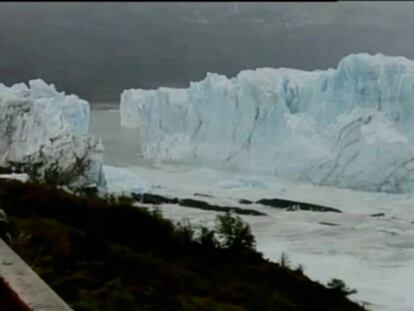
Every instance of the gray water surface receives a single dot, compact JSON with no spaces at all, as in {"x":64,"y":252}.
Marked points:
{"x":121,"y":144}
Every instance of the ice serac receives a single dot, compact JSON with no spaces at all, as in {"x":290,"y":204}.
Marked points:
{"x":350,"y":127}
{"x":45,"y":133}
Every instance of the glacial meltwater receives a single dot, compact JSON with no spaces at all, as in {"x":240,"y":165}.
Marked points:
{"x":370,"y":245}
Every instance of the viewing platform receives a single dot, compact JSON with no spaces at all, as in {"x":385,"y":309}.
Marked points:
{"x":21,"y":289}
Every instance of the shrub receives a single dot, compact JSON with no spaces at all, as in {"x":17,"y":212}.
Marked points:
{"x":300,"y":269}
{"x":339,"y":285}
{"x":44,"y":170}
{"x":114,"y":199}
{"x":284,"y":260}
{"x":185,"y":231}
{"x":234,"y":233}
{"x":207,"y":237}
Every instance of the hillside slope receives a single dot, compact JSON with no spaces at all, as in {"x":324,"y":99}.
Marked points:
{"x":111,"y":256}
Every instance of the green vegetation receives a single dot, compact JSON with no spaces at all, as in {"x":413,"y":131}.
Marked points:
{"x":104,"y":254}
{"x":51,"y":172}
{"x":340,"y":286}
{"x":234,"y":233}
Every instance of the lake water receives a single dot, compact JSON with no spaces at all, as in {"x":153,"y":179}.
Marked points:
{"x":375,"y":255}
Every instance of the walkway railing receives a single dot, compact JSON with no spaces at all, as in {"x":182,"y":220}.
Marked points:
{"x":27,"y":286}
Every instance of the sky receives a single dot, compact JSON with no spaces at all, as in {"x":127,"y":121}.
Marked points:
{"x":96,"y":50}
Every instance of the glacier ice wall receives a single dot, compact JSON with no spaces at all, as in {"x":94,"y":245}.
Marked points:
{"x":44,"y":132}
{"x":350,"y":127}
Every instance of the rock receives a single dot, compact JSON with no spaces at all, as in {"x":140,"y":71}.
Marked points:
{"x":206,"y":206}
{"x":328,"y":223}
{"x":149,"y":198}
{"x":377,"y":215}
{"x":293,"y":205}
{"x":89,"y":191}
{"x":203,"y":195}
{"x":244,"y":201}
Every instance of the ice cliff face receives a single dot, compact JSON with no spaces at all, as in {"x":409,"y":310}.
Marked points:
{"x":44,"y":133}
{"x":349,"y":127}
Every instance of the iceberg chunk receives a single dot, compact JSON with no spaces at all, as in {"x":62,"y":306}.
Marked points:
{"x":351,"y":127}
{"x":124,"y":181}
{"x":44,"y":134}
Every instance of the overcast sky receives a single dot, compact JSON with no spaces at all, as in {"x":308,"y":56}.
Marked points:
{"x":96,"y":50}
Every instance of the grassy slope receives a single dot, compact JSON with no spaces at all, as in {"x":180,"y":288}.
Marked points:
{"x":115,"y":257}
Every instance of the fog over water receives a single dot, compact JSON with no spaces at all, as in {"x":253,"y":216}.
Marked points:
{"x":97,"y":50}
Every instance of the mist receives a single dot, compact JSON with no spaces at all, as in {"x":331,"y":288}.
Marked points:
{"x":97,"y":50}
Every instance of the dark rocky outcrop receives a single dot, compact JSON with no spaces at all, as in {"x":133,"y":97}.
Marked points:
{"x":209,"y":207}
{"x":294,"y":205}
{"x":6,"y":170}
{"x":377,"y":215}
{"x":328,"y":223}
{"x":244,"y":201}
{"x":149,"y":198}
{"x":203,"y":195}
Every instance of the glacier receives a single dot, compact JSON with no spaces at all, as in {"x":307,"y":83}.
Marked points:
{"x":44,"y":133}
{"x":348,"y":127}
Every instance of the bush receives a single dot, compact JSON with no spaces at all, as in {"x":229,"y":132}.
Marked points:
{"x":44,"y":170}
{"x":102,"y":257}
{"x":207,"y":238}
{"x":114,"y":199}
{"x":185,"y":231}
{"x":284,"y":260}
{"x":339,"y":285}
{"x":234,"y":233}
